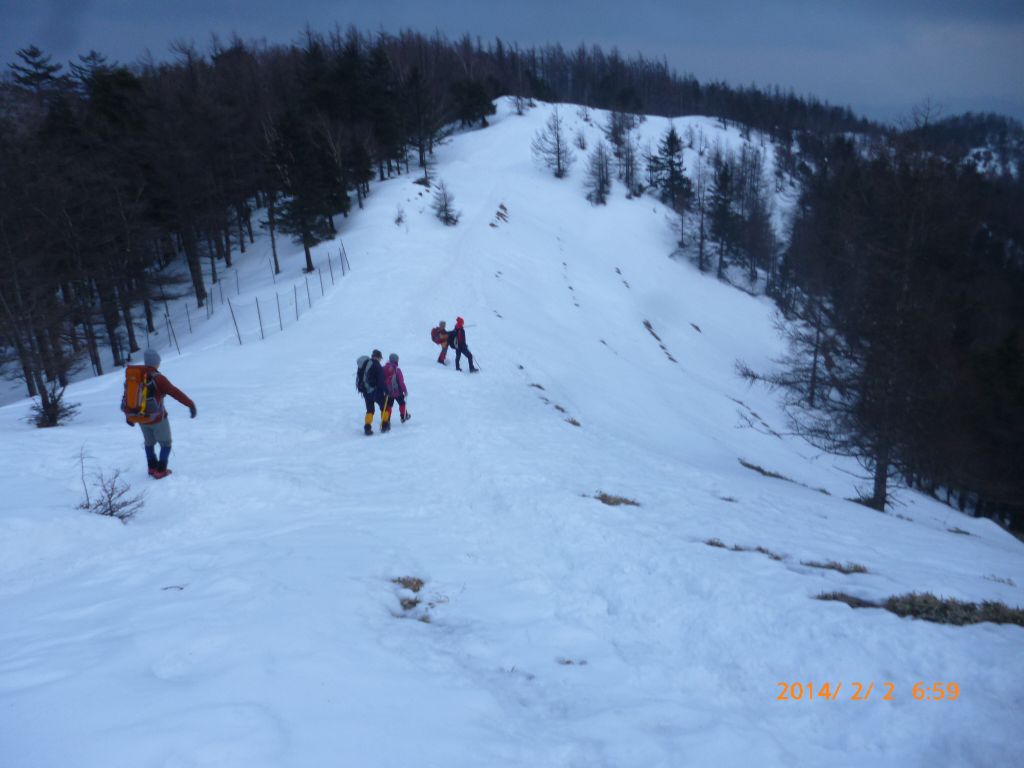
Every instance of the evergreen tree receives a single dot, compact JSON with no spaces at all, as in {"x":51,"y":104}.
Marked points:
{"x":722,"y":218}
{"x":309,"y":177}
{"x":551,"y":146}
{"x":444,"y":205}
{"x":599,"y":180}
{"x":472,"y":102}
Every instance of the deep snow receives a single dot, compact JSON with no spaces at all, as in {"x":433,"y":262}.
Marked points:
{"x":247,"y":616}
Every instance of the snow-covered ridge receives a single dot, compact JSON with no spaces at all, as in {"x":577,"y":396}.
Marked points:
{"x":247,"y":616}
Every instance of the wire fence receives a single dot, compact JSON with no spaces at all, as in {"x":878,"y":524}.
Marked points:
{"x":254,"y":319}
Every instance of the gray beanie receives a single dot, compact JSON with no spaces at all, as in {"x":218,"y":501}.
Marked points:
{"x":393,"y":358}
{"x":151,"y":358}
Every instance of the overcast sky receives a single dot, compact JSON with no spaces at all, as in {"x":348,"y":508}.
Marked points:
{"x":881,"y":57}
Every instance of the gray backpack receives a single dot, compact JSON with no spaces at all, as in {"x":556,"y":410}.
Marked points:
{"x":363,"y":384}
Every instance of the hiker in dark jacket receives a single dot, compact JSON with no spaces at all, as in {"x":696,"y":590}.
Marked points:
{"x":457,"y":338}
{"x":374,"y":392}
{"x":158,"y":428}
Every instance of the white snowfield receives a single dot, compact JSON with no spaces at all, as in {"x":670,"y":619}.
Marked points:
{"x":248,"y":616}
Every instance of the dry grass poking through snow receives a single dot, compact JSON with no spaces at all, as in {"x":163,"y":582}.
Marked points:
{"x":615,"y":501}
{"x":928,"y":607}
{"x":834,"y":566}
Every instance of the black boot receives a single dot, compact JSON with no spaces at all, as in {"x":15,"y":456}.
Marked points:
{"x":367,"y":429}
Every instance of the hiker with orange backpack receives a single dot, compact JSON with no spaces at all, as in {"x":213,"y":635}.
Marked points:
{"x":143,"y":404}
{"x":439,"y":335}
{"x":394,"y":386}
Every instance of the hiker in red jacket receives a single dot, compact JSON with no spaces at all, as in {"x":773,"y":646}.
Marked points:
{"x":457,"y":338}
{"x":394,"y":385}
{"x":157,"y":426}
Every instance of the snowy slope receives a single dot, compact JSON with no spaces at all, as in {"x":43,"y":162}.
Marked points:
{"x":247,"y":616}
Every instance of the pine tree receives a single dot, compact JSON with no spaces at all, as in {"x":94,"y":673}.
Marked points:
{"x":669,"y":177}
{"x":551,"y":146}
{"x":599,"y":180}
{"x":309,"y":177}
{"x":444,"y":205}
{"x":722,"y":218}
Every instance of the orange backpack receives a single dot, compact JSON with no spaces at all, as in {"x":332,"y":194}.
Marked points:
{"x":140,"y":403}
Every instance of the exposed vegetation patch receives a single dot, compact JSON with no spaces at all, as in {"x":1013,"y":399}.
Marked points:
{"x":928,"y":607}
{"x":762,"y":550}
{"x":1007,"y":581}
{"x":614,"y":501}
{"x":571,"y":662}
{"x":777,"y":476}
{"x":832,"y":565}
{"x":752,"y":420}
{"x":409,"y":582}
{"x":111,"y":496}
{"x":413,"y":606}
{"x":730,"y":499}
{"x":650,"y":330}
{"x":765,"y":472}
{"x":714,"y":542}
{"x":850,"y":600}
{"x":573,"y":421}
{"x":696,"y":327}
{"x":961,"y":531}
{"x":537,"y":386}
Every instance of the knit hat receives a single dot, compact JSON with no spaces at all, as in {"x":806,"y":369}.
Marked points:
{"x":151,"y":358}
{"x":393,"y":358}
{"x":459,"y":321}
{"x":377,"y":355}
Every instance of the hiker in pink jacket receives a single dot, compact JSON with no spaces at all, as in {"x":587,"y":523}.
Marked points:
{"x":394,"y":387}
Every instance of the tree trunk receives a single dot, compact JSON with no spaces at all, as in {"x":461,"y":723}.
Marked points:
{"x":92,"y":345}
{"x":26,"y":366}
{"x":211,"y":250}
{"x":226,"y":252}
{"x":273,"y":238}
{"x":241,"y":232}
{"x":881,"y":480}
{"x":126,"y":312}
{"x":305,"y":243}
{"x":194,"y":268}
{"x":147,"y":306}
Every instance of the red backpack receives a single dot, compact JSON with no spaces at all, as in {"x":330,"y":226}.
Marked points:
{"x":437,"y":335}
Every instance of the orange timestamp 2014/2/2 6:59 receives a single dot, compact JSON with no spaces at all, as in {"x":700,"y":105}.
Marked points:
{"x":858,"y":691}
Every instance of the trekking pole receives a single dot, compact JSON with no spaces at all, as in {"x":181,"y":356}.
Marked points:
{"x":330,"y":266}
{"x":279,"y":320}
{"x":321,"y":273}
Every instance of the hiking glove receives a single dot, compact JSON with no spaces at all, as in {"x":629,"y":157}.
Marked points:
{"x":192,"y":411}
{"x":129,"y":423}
